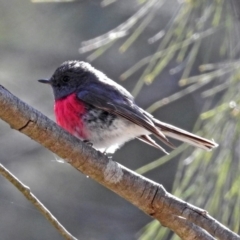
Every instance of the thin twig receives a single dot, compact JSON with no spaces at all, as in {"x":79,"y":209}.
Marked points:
{"x":25,"y":190}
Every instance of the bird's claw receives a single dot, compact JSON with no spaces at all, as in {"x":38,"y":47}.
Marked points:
{"x":108,"y":155}
{"x":88,"y":143}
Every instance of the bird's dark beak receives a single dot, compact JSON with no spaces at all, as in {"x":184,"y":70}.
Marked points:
{"x":45,"y":81}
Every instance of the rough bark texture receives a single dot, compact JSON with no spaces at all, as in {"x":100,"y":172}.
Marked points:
{"x":184,"y":219}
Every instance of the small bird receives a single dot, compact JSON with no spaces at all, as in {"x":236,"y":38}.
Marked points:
{"x":99,"y":111}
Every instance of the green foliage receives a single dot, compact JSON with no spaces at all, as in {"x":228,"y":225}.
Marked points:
{"x":211,"y":180}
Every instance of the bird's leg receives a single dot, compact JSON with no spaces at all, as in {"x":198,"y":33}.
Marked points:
{"x":107,"y":154}
{"x":88,"y":143}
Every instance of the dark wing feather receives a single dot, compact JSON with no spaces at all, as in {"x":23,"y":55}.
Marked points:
{"x":110,"y":99}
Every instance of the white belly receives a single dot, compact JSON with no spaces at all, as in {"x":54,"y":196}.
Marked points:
{"x":110,"y":138}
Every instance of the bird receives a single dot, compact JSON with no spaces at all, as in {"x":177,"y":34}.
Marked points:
{"x":102,"y":113}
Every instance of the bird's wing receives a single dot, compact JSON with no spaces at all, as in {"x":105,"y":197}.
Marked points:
{"x":113,"y":101}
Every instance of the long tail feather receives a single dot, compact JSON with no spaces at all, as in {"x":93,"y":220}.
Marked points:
{"x":184,"y":136}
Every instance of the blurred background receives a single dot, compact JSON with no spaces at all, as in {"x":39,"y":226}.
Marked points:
{"x":180,"y":59}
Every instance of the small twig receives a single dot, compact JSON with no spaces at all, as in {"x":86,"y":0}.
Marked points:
{"x":25,"y":190}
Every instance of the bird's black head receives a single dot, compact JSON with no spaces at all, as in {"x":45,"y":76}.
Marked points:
{"x":69,"y":77}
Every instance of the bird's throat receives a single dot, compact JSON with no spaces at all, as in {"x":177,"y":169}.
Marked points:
{"x":68,"y":112}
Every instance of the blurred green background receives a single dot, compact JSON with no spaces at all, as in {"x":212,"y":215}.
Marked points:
{"x":154,"y":49}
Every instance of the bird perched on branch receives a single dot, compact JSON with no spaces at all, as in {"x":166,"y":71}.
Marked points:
{"x":96,"y":109}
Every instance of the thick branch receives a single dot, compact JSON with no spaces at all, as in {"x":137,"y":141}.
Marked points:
{"x":147,"y":195}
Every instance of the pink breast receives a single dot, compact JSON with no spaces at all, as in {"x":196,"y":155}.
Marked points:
{"x":68,"y":112}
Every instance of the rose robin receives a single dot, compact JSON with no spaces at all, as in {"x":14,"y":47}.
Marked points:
{"x":96,"y":109}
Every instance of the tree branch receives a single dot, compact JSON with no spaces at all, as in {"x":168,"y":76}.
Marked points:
{"x":184,"y":219}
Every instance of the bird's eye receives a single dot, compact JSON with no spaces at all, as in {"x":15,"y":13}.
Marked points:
{"x":65,"y":79}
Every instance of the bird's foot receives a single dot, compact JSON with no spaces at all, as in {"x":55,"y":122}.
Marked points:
{"x":90,"y":144}
{"x":107,"y":154}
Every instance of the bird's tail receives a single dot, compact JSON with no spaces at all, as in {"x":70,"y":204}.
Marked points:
{"x":184,"y":136}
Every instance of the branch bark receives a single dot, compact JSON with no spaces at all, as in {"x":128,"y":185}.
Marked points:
{"x":186,"y":220}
